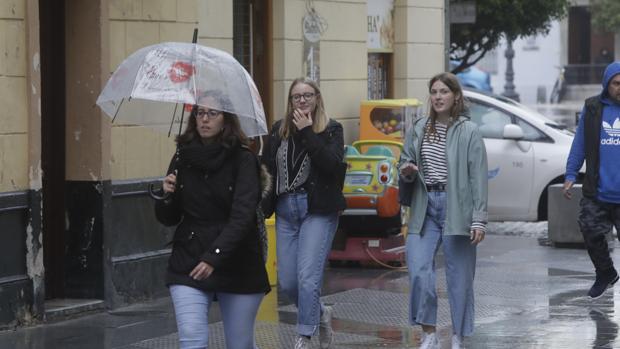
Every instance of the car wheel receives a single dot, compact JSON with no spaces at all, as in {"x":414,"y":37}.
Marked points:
{"x":543,"y":200}
{"x":542,"y":205}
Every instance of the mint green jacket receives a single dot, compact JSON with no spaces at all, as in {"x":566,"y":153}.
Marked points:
{"x":467,"y":177}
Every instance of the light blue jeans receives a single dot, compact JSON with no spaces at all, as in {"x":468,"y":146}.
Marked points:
{"x":303,"y":242}
{"x":460,"y":258}
{"x":191,"y":307}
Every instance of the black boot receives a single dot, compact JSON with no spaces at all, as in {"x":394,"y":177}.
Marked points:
{"x":604,"y":280}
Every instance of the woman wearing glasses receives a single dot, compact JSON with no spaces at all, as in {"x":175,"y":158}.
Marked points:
{"x":305,"y":151}
{"x":213,"y":183}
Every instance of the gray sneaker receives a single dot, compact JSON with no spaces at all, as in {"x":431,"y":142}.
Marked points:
{"x":302,"y":342}
{"x":326,"y":333}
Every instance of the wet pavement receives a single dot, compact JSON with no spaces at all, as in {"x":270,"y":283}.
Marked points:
{"x":528,"y":295}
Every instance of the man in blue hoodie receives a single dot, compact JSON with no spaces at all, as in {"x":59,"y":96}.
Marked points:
{"x":597,"y":141}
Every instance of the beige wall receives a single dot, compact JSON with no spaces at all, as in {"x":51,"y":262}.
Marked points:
{"x":216,"y":24}
{"x":87,"y":130}
{"x":419,"y":53}
{"x":14,"y":112}
{"x":419,"y":49}
{"x":343,"y":72}
{"x":138,"y":152}
{"x":33,"y":79}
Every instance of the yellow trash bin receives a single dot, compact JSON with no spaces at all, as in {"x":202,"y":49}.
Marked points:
{"x":271,"y":265}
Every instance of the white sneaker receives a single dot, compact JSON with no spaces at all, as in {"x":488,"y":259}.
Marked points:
{"x":429,"y":341}
{"x":326,"y":333}
{"x":302,"y":342}
{"x":457,"y":342}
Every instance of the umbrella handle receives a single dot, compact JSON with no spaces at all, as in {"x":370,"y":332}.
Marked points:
{"x":155,"y":193}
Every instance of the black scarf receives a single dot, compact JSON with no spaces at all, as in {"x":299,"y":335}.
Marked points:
{"x":205,"y":157}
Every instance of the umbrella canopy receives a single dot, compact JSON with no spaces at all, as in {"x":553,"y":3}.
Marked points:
{"x":147,"y":87}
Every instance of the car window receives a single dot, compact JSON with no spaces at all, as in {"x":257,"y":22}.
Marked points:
{"x":531,"y":133}
{"x":491,"y":121}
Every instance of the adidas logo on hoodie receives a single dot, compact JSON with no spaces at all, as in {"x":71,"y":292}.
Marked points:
{"x":613,"y":131}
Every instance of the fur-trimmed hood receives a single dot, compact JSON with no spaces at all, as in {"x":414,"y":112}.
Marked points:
{"x":266,"y":181}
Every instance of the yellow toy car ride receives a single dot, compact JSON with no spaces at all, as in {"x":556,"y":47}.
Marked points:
{"x":371,"y":181}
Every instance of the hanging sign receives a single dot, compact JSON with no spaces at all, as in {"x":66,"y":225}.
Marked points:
{"x":312,"y":46}
{"x":380,"y":25}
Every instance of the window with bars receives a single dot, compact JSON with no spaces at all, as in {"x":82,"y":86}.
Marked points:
{"x":241,"y":32}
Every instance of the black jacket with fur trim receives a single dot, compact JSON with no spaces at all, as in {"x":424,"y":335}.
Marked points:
{"x":215,"y":208}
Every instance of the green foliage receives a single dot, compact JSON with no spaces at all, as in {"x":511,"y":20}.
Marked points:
{"x":501,"y":18}
{"x":606,"y":14}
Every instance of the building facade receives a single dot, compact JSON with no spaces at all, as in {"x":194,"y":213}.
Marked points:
{"x":574,"y":51}
{"x":76,"y":218}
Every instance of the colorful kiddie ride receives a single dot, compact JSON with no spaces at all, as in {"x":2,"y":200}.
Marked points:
{"x":370,"y":228}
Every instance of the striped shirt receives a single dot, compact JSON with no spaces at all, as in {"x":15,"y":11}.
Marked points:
{"x":433,"y":155}
{"x":434,"y":164}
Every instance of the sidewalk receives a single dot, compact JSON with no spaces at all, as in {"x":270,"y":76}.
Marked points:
{"x":527,"y":296}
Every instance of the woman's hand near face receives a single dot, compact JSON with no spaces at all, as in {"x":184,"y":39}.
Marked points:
{"x":301,"y":120}
{"x":170,"y":183}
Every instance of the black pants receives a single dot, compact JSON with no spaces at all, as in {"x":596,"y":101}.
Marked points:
{"x":595,"y":221}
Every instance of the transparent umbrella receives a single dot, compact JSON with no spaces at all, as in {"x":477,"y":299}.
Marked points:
{"x":147,"y":88}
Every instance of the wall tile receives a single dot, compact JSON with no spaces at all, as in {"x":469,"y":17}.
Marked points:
{"x":182,"y":32}
{"x":118,"y":43}
{"x":219,"y":43}
{"x":125,"y":9}
{"x":141,"y":160}
{"x":13,"y":113}
{"x":13,"y":48}
{"x":343,"y":60}
{"x":118,"y":158}
{"x":429,"y":18}
{"x":342,"y":97}
{"x":287,"y":61}
{"x":159,"y":10}
{"x":216,"y":19}
{"x":141,"y":34}
{"x":14,"y":163}
{"x":345,"y":21}
{"x":13,"y":9}
{"x":187,"y":11}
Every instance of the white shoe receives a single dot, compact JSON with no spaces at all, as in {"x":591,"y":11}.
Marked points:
{"x":326,"y":333}
{"x":302,"y":342}
{"x":457,"y":342}
{"x":429,"y":341}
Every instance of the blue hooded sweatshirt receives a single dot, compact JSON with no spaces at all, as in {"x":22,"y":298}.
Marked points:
{"x":609,"y":171}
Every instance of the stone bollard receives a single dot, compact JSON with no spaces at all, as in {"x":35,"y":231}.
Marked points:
{"x":563,"y":228}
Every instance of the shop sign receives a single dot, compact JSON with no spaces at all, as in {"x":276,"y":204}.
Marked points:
{"x":380,"y":25}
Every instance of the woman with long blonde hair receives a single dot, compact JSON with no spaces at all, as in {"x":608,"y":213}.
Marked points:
{"x":305,"y":150}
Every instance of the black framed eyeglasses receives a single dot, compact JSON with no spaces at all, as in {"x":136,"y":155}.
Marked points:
{"x":210,"y":114}
{"x":307,"y":96}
